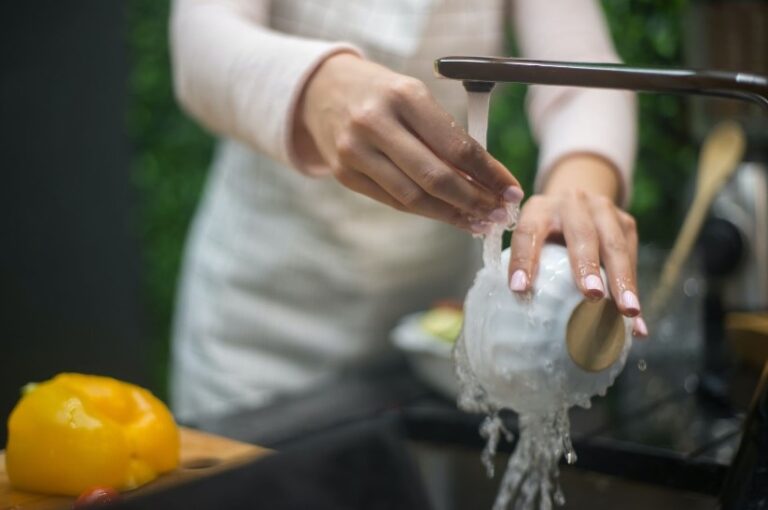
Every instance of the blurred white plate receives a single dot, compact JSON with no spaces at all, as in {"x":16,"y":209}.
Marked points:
{"x":429,"y":356}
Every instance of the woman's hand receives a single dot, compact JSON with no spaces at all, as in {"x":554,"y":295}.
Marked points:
{"x":385,"y":136}
{"x":578,"y":207}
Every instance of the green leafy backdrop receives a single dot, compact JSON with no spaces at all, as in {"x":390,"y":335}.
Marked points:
{"x":172,"y":153}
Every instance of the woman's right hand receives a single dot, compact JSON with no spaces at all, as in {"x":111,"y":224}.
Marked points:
{"x":385,"y":136}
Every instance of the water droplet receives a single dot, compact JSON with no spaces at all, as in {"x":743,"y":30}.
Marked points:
{"x":642,"y":365}
{"x":570,"y":454}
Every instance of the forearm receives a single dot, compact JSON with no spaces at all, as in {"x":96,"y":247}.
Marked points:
{"x":568,"y":120}
{"x":239,"y":78}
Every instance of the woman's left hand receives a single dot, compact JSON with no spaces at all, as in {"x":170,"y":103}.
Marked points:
{"x":577,"y":207}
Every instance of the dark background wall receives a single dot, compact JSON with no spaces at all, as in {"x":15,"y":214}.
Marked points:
{"x":69,"y":261}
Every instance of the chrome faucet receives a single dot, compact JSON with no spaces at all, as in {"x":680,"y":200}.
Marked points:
{"x":481,"y":74}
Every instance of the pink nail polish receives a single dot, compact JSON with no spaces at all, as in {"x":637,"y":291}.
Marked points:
{"x":498,"y":215}
{"x":519,"y":281}
{"x":640,"y":328}
{"x":631,"y":303}
{"x":513,"y":194}
{"x":594,"y":286}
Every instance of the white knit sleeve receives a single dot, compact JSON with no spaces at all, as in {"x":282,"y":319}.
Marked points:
{"x":569,"y":120}
{"x":239,"y":78}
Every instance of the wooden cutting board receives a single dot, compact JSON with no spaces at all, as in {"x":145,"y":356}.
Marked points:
{"x":201,"y":455}
{"x":748,"y":335}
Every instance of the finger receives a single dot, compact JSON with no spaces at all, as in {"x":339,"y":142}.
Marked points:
{"x":451,"y":143}
{"x":615,"y":254}
{"x":366,"y":186}
{"x":629,"y":226}
{"x":402,"y":193}
{"x":582,"y":242}
{"x":639,"y":328}
{"x":533,"y":227}
{"x":437,"y":178}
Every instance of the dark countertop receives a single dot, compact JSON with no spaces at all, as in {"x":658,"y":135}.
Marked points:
{"x":654,"y":426}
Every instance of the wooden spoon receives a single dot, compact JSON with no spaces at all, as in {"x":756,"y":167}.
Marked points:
{"x":720,"y":155}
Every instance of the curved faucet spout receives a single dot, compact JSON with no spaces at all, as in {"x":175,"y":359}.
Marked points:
{"x":743,"y":86}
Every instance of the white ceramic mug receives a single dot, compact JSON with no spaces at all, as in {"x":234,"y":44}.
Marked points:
{"x":547,"y":349}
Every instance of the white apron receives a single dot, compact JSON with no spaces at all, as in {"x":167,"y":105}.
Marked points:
{"x":288,"y":279}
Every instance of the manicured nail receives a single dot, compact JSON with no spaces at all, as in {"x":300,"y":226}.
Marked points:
{"x":519,"y":281}
{"x":631,"y":302}
{"x":513,"y":194}
{"x":593,"y":284}
{"x":498,"y":215}
{"x":479,"y":227}
{"x":639,"y":327}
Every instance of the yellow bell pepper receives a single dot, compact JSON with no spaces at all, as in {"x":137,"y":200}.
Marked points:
{"x":76,"y":431}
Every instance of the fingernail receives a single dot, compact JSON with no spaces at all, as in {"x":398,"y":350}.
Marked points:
{"x":519,"y":281}
{"x":513,"y":194}
{"x":640,"y":328}
{"x":498,"y":215}
{"x":479,"y":227}
{"x":631,"y":303}
{"x":593,"y":284}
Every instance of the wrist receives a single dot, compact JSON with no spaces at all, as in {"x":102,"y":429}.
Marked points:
{"x":585,"y":172}
{"x":325,"y":81}
{"x":307,"y":155}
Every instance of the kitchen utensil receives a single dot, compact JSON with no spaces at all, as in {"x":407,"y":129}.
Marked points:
{"x":546,"y":351}
{"x":719,"y":157}
{"x":734,"y":240}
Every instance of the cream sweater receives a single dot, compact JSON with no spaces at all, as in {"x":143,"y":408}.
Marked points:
{"x":289,"y":277}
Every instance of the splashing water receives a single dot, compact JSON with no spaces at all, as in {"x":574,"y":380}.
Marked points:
{"x":477,"y":108}
{"x":531,"y":477}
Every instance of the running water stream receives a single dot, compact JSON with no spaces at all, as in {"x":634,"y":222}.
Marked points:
{"x":531,"y":477}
